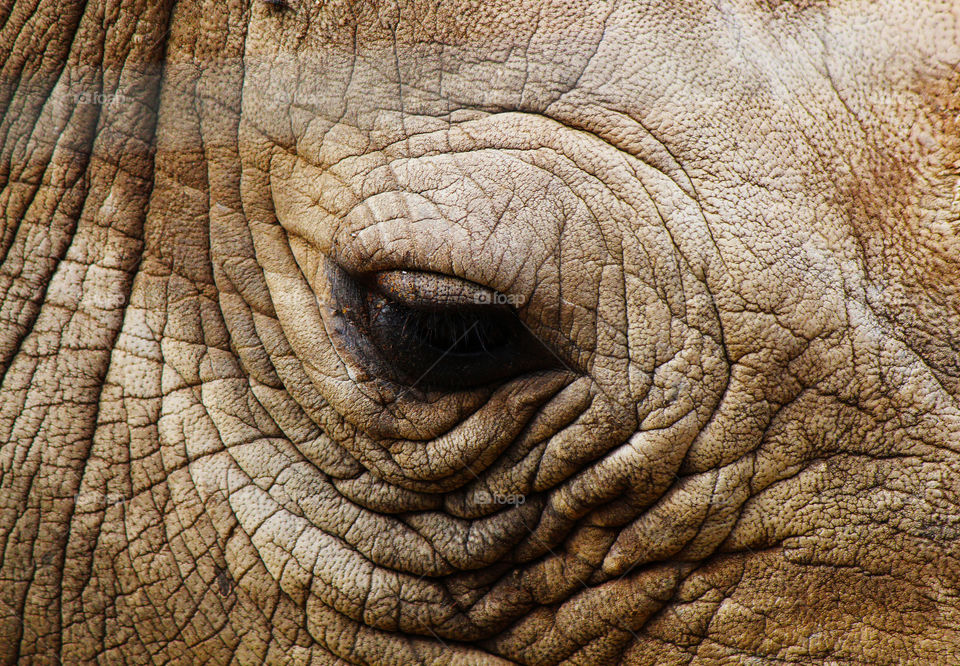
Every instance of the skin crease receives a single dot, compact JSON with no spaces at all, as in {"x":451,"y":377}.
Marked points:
{"x":736,"y":226}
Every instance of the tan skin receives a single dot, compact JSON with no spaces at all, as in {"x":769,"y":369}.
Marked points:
{"x":480,"y":333}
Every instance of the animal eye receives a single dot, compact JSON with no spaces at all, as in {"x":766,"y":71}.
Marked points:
{"x":433,"y":331}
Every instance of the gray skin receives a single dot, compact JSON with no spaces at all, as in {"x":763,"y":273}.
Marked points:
{"x":728,"y":234}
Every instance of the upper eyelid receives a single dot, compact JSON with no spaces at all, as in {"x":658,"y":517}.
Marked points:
{"x":421,"y":288}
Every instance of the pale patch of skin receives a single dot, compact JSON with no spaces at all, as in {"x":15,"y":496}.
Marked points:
{"x":733,"y":227}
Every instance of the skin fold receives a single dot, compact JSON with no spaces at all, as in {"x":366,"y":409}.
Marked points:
{"x":714,"y":248}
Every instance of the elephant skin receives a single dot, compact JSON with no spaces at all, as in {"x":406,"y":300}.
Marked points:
{"x":388,"y":332}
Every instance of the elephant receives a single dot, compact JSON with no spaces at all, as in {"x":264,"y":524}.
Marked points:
{"x":414,"y":332}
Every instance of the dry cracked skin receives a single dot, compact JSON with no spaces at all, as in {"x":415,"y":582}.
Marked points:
{"x":410,"y":332}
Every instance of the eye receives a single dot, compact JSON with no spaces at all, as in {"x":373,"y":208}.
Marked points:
{"x":434,"y":331}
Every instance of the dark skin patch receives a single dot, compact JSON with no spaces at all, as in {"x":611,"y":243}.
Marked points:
{"x":224,"y":582}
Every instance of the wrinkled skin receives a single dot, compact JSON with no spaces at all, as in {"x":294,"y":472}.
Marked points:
{"x":734,"y":226}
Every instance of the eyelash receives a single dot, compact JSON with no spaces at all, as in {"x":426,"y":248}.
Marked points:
{"x":447,"y":330}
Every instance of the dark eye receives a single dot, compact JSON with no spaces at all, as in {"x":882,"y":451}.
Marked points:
{"x":434,"y":331}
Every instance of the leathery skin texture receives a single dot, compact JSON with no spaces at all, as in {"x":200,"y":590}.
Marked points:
{"x":389,"y":332}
